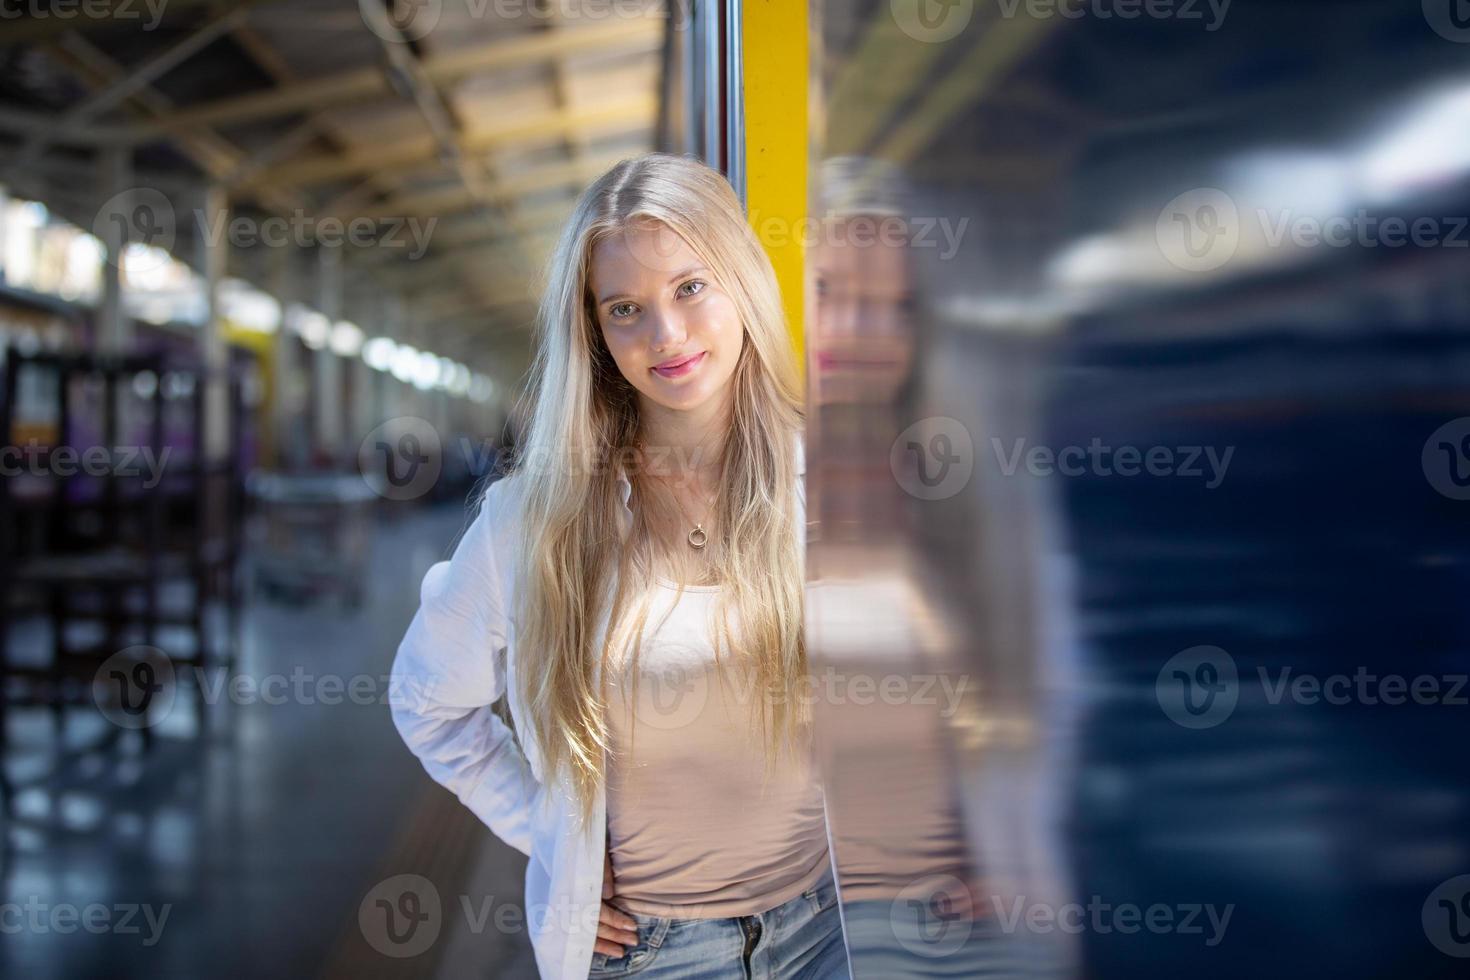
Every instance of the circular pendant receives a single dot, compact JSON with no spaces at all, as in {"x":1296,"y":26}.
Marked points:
{"x":697,"y":538}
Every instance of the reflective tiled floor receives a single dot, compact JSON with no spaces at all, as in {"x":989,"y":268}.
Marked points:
{"x":245,"y":845}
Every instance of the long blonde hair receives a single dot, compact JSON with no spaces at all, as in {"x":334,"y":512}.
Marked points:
{"x":583,"y":417}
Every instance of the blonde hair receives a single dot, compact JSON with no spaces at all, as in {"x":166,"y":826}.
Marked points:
{"x":583,"y":417}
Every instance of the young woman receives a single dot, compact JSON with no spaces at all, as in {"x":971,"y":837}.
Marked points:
{"x":634,"y":586}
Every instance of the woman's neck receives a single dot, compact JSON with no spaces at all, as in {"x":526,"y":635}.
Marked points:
{"x":684,"y":442}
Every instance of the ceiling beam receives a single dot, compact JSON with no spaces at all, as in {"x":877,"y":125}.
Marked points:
{"x":617,"y":116}
{"x":213,"y":154}
{"x":615,"y":36}
{"x":572,"y":175}
{"x":134,"y":79}
{"x":95,"y":14}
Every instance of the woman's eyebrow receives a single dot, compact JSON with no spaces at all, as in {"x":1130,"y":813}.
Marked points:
{"x":673,"y":279}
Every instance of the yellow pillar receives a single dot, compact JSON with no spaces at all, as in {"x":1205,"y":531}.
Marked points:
{"x":774,"y":45}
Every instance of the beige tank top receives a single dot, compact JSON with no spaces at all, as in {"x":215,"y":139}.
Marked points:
{"x":693,"y":830}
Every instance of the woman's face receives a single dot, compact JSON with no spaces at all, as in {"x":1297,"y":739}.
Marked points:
{"x":674,"y":335}
{"x":861,"y":345}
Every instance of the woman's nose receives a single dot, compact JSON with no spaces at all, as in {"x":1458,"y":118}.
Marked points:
{"x":668,"y":330}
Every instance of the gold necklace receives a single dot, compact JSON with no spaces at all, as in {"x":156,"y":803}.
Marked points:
{"x":697,"y":536}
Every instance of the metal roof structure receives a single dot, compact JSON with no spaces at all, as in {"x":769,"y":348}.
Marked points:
{"x":442,"y":142}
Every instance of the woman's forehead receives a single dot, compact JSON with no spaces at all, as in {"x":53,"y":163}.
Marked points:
{"x":643,"y":251}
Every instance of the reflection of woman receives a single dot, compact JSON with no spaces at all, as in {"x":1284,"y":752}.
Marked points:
{"x":914,"y":902}
{"x":648,"y":535}
{"x":860,"y":346}
{"x":928,"y":865}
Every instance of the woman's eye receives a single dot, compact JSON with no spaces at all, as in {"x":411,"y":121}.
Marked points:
{"x":622,"y":309}
{"x":691,"y":287}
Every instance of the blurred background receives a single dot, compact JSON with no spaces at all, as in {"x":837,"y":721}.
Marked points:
{"x":1138,"y":461}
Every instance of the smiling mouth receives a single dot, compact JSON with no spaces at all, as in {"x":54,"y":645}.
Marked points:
{"x":674,"y":369}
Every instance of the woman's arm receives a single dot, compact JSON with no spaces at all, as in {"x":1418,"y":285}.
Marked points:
{"x":450,"y":669}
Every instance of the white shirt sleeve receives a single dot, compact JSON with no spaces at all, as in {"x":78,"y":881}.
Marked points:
{"x":449,"y":670}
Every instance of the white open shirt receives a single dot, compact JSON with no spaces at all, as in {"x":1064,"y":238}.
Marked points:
{"x":457,"y":659}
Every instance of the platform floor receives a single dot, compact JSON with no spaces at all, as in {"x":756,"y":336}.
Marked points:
{"x":246,"y":846}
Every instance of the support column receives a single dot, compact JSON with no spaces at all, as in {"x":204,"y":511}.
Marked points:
{"x":365,"y":409}
{"x":212,"y":349}
{"x":777,"y":143}
{"x":327,"y":374}
{"x":114,"y":329}
{"x":283,"y":417}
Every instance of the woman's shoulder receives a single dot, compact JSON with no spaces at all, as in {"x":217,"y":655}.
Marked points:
{"x":500,"y":491}
{"x":491,"y":518}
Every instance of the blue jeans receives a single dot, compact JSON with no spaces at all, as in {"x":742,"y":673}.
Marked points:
{"x":800,"y":940}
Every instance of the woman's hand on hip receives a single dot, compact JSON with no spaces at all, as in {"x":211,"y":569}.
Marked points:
{"x":616,"y":929}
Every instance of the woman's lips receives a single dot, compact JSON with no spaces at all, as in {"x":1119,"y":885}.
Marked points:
{"x":683,"y":367}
